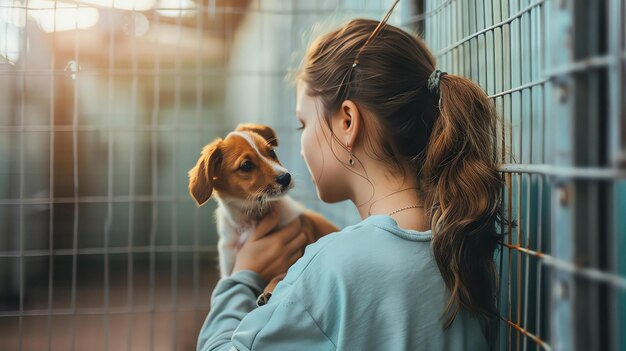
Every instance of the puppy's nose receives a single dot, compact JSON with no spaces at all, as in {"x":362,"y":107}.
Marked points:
{"x":284,"y":179}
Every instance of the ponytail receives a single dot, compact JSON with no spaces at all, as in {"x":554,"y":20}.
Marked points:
{"x":462,"y":186}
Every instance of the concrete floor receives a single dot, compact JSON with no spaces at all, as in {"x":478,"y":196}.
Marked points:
{"x":167,"y":317}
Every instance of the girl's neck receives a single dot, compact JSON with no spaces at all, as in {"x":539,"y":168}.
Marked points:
{"x":392,"y":195}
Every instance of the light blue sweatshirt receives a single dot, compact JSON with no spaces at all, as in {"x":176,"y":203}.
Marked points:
{"x":371,"y":286}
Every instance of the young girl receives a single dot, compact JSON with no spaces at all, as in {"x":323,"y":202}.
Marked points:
{"x":415,"y":150}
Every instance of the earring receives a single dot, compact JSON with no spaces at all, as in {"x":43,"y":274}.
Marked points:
{"x":351,"y":160}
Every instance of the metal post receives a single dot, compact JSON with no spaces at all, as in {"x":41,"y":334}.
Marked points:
{"x":581,"y":222}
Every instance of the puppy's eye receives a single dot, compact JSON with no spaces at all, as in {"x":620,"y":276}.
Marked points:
{"x":247,"y":166}
{"x":272,"y":154}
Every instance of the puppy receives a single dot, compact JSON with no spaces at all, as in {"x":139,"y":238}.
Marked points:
{"x":248,"y":181}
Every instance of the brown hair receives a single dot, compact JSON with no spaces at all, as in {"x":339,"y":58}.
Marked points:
{"x":450,"y":144}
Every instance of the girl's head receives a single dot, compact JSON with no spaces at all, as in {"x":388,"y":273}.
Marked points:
{"x":445,"y":142}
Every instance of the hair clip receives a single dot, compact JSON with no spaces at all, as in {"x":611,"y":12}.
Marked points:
{"x":376,"y":30}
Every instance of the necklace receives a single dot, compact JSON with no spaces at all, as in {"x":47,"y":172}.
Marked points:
{"x":369,"y":210}
{"x":405,"y":208}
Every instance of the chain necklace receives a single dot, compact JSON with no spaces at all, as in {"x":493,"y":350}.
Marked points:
{"x":369,"y":211}
{"x":405,"y":208}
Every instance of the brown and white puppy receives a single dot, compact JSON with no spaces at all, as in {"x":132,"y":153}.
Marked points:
{"x":248,"y":181}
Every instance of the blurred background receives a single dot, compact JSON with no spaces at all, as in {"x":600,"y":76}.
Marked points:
{"x":106,"y":104}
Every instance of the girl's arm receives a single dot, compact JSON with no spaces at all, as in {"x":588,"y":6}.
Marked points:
{"x":233,"y":298}
{"x":236,"y":323}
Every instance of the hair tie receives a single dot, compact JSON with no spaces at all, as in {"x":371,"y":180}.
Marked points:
{"x":433,"y":81}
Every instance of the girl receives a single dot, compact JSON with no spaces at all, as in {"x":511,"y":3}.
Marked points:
{"x":415,"y":150}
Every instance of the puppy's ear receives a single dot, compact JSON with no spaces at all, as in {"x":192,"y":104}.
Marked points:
{"x":201,"y":175}
{"x":265,"y":131}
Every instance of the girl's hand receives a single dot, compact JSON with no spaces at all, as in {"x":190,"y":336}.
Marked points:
{"x":268,"y":252}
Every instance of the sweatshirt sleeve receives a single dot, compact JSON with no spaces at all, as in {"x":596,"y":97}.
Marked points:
{"x":284,"y":323}
{"x":232,"y":299}
{"x":236,"y":323}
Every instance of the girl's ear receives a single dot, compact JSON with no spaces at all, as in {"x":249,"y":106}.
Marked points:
{"x":349,"y":122}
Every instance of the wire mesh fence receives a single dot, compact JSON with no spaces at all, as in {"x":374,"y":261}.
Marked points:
{"x":106,"y":105}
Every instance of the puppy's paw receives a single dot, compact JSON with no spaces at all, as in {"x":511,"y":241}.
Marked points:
{"x":272,"y":284}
